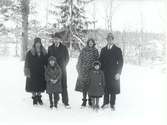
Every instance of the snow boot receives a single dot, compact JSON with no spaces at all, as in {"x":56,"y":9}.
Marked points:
{"x":34,"y":100}
{"x":84,"y":102}
{"x":112,"y":107}
{"x":39,"y":100}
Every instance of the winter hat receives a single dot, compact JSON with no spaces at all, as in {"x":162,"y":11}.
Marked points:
{"x":52,"y":58}
{"x":33,"y":50}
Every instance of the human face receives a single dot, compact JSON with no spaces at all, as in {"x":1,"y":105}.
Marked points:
{"x":90,"y":44}
{"x":37,"y":46}
{"x":97,"y":67}
{"x":110,"y":40}
{"x":56,"y":40}
{"x":52,"y":62}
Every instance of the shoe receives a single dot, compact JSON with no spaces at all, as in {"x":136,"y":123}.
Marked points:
{"x":39,"y":100}
{"x":112,"y":107}
{"x":67,"y":106}
{"x":34,"y":100}
{"x":84,"y":102}
{"x":104,"y":106}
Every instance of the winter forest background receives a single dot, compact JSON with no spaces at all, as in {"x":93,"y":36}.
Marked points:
{"x":139,"y":26}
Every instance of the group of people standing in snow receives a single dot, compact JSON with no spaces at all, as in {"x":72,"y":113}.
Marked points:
{"x":98,"y":74}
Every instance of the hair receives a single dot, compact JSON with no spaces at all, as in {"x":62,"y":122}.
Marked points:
{"x":110,"y":35}
{"x":42,"y":49}
{"x":91,"y":39}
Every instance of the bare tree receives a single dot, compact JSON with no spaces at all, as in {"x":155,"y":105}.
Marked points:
{"x":110,"y":9}
{"x":25,"y":13}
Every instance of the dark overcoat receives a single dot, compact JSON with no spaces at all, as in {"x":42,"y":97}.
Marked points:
{"x":111,"y":64}
{"x":35,"y":68}
{"x":62,"y":56}
{"x":96,"y":83}
{"x":53,"y":73}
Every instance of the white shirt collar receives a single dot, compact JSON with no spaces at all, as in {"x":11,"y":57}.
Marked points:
{"x":57,"y":45}
{"x":109,"y":46}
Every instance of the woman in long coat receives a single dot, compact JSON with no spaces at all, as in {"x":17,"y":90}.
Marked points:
{"x":34,"y":69}
{"x":87,"y":56}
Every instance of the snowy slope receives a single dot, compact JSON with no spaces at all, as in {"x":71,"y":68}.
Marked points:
{"x":141,"y":100}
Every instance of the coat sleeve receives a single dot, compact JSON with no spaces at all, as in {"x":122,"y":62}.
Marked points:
{"x":119,"y":61}
{"x":66,"y":55}
{"x":59,"y":72}
{"x":101,"y":58}
{"x":47,"y":77}
{"x":103,"y":79}
{"x":96,"y":54}
{"x":79,"y":61}
{"x":26,"y":65}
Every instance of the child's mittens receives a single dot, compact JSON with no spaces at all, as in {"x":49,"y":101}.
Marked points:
{"x":100,"y":83}
{"x":53,"y":81}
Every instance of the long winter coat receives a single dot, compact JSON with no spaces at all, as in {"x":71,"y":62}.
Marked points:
{"x":35,"y":68}
{"x":62,"y":57}
{"x":53,"y":73}
{"x":96,"y":83}
{"x":85,"y":61}
{"x":111,"y":64}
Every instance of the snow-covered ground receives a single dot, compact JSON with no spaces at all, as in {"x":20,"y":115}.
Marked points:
{"x":142,"y":99}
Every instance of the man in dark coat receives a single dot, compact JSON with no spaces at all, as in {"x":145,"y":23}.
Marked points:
{"x":58,"y":50}
{"x":111,"y":63}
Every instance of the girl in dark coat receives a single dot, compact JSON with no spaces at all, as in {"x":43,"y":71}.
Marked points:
{"x":34,"y":69}
{"x":88,"y":55}
{"x":96,"y":84}
{"x":53,"y":75}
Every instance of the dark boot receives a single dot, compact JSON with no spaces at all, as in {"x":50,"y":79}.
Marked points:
{"x":56,"y":98}
{"x":90,"y":101}
{"x":84,"y":102}
{"x":39,"y":100}
{"x":34,"y":100}
{"x":51,"y":101}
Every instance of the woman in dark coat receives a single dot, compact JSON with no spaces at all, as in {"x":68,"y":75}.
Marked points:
{"x":34,"y":69}
{"x":60,"y":52}
{"x":96,"y":84}
{"x":53,"y":76}
{"x":111,"y":63}
{"x":87,"y":56}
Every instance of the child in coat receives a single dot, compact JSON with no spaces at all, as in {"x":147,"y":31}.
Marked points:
{"x":53,"y":75}
{"x":96,"y":84}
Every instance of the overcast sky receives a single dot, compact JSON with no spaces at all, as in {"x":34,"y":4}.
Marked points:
{"x":128,"y":15}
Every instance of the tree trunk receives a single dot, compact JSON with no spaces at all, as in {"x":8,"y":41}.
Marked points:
{"x":25,"y":13}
